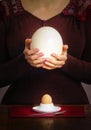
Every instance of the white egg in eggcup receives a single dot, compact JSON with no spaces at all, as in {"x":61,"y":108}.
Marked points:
{"x":46,"y":105}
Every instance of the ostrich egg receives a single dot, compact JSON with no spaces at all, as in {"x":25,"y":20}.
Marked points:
{"x":48,"y":40}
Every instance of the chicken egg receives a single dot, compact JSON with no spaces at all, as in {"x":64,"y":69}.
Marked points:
{"x":46,"y":99}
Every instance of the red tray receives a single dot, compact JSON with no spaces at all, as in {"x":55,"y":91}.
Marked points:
{"x":26,"y":111}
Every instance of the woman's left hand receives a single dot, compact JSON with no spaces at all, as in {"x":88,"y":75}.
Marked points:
{"x":57,"y":61}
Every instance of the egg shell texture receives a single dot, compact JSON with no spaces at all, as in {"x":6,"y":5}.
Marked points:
{"x":47,"y":40}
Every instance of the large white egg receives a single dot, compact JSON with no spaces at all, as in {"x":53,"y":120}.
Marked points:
{"x":48,"y":40}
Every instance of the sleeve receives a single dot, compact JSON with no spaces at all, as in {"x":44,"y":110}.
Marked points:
{"x":80,"y":69}
{"x":10,"y":70}
{"x":1,"y":12}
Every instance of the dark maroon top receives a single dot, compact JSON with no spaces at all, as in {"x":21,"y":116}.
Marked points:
{"x":28,"y":84}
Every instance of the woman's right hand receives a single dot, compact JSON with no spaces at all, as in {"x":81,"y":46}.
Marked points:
{"x":33,"y":56}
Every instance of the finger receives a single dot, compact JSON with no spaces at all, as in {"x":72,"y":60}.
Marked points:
{"x":36,"y":63}
{"x":31,"y":52}
{"x":27,"y":43}
{"x":65,"y":48}
{"x":56,"y":64}
{"x":36,"y":56}
{"x":47,"y":67}
{"x":58,"y":58}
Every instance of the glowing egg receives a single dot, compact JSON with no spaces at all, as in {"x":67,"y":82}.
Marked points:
{"x":46,"y":99}
{"x":48,"y":40}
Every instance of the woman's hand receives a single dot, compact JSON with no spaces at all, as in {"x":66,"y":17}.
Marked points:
{"x":57,"y":61}
{"x":33,"y":56}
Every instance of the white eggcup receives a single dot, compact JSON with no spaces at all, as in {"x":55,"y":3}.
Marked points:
{"x":46,"y":107}
{"x":48,"y":40}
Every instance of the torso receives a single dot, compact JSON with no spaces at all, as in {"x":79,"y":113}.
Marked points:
{"x":52,"y":82}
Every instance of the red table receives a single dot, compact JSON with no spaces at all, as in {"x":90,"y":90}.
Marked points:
{"x":76,"y":118}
